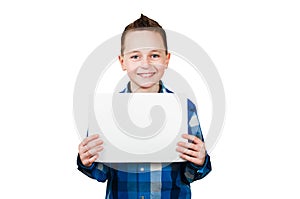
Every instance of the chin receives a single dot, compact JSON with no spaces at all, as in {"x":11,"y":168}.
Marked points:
{"x":147,"y":85}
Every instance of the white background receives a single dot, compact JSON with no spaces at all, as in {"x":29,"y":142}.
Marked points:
{"x":254,"y":45}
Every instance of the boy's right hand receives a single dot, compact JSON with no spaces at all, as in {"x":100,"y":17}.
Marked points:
{"x":89,"y":149}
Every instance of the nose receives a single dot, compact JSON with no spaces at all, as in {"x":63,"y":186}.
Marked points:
{"x":145,"y":63}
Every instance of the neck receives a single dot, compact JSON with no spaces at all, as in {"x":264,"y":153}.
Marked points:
{"x":153,"y":89}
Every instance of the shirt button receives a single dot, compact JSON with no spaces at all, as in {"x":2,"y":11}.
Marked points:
{"x":142,"y":169}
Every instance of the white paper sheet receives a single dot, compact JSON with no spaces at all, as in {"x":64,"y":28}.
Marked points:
{"x":139,"y":127}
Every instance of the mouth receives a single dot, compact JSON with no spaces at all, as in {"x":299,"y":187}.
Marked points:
{"x":146,"y":75}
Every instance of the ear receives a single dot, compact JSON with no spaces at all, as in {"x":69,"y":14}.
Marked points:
{"x":121,"y":60}
{"x":167,"y":60}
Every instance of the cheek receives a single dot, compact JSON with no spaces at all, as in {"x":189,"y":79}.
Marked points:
{"x":131,"y":72}
{"x":162,"y":64}
{"x":162,"y":67}
{"x":131,"y":66}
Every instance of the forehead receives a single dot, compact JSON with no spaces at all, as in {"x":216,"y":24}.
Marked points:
{"x":142,"y":39}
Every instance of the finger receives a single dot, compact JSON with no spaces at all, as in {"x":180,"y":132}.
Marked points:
{"x":187,"y":152}
{"x":84,"y":155}
{"x":90,"y":145}
{"x":89,"y":138}
{"x":94,"y":158}
{"x":89,"y":155}
{"x":192,"y":138}
{"x":93,"y":144}
{"x":91,"y":152}
{"x":189,"y":145}
{"x":94,"y":150}
{"x":82,"y":149}
{"x":191,"y":159}
{"x":89,"y":161}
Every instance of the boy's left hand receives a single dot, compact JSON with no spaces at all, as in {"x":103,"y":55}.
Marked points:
{"x":193,"y":151}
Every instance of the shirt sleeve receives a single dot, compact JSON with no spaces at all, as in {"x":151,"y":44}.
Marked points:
{"x":194,"y":172}
{"x":97,"y":171}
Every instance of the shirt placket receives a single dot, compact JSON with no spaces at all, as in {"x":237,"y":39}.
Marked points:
{"x":142,"y":169}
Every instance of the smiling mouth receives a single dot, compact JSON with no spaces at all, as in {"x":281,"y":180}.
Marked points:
{"x":146,"y":75}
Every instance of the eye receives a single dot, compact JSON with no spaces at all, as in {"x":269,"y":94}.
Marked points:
{"x":155,"y":56}
{"x":134,"y":57}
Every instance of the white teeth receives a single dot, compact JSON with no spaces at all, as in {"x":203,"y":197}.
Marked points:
{"x":145,"y":75}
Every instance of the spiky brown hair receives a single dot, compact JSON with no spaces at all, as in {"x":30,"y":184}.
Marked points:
{"x":144,"y":23}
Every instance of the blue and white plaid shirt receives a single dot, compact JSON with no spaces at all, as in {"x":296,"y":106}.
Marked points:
{"x":152,"y":180}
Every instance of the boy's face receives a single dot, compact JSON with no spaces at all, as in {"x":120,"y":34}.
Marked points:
{"x":144,"y":58}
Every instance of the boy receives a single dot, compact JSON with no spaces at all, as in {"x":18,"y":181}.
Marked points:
{"x":144,"y":55}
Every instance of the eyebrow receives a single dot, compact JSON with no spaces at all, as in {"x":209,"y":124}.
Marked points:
{"x":135,"y":51}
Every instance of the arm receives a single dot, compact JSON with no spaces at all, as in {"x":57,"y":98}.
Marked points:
{"x":97,"y":171}
{"x":198,"y":163}
{"x":194,"y":172}
{"x":88,"y":153}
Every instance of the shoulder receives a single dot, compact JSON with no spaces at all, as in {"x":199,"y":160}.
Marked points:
{"x":123,"y":91}
{"x":168,"y":91}
{"x":163,"y":88}
{"x":191,"y":105}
